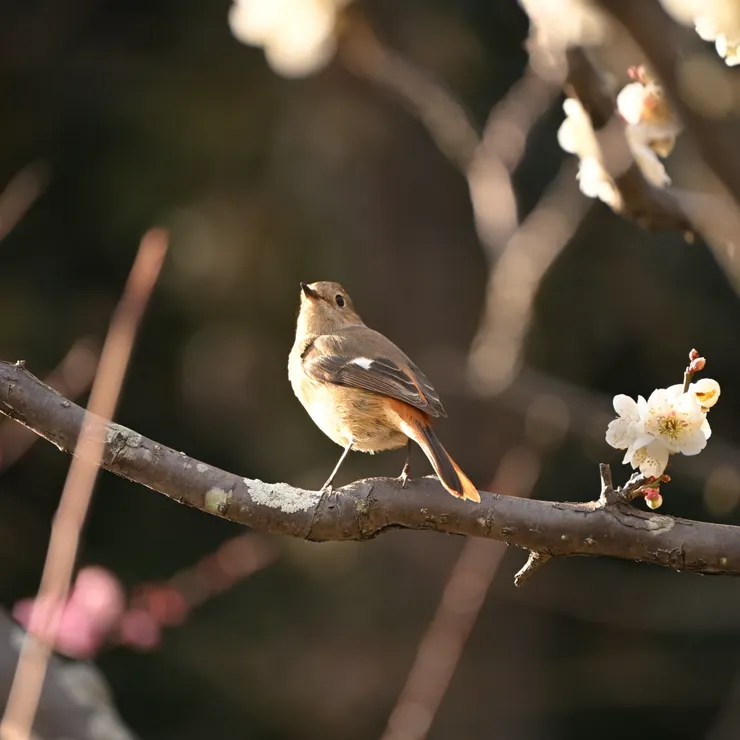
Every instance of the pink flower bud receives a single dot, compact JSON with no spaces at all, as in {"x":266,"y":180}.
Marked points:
{"x":653,"y":498}
{"x":98,"y":592}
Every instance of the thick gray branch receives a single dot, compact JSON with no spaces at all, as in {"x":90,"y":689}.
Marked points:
{"x":366,"y":508}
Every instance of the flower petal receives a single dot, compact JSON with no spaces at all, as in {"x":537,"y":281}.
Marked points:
{"x":648,"y":162}
{"x":654,"y":459}
{"x":626,"y":407}
{"x":706,"y":429}
{"x":659,"y":402}
{"x":643,"y":440}
{"x":630,"y":101}
{"x":687,"y":407}
{"x":568,"y":136}
{"x":674,"y":391}
{"x":639,"y":442}
{"x":619,"y":433}
{"x":694,"y":444}
{"x":706,"y":391}
{"x":634,"y":457}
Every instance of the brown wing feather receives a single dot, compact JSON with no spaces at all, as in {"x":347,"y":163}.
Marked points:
{"x":338,"y":359}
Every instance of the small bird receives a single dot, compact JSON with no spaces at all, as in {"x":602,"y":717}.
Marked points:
{"x":361,"y":390}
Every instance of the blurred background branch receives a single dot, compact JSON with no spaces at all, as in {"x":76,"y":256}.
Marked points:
{"x":463,"y":597}
{"x":19,"y":195}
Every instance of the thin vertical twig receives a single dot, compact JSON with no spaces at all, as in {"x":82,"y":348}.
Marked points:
{"x":24,"y":695}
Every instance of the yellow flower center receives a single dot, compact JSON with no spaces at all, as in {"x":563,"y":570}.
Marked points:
{"x":671,"y":426}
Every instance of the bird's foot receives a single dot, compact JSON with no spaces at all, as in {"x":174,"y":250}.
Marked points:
{"x":330,"y":492}
{"x":404,"y":477}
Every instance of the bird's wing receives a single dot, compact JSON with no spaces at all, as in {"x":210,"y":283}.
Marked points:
{"x":343,"y":359}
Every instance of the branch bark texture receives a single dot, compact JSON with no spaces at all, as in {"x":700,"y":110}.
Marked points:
{"x":366,"y":508}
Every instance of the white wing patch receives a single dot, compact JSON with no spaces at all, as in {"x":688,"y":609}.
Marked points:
{"x":362,"y":362}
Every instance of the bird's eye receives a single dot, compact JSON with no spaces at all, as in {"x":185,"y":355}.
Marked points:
{"x":340,"y":300}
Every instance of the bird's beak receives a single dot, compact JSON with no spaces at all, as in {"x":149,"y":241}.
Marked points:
{"x":308,"y":291}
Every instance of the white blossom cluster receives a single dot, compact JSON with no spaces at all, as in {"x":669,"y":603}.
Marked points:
{"x":714,"y":20}
{"x":670,"y":421}
{"x":651,"y":132}
{"x":576,"y":135}
{"x":298,"y":36}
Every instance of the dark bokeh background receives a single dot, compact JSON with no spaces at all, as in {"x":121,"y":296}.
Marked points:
{"x":150,"y":112}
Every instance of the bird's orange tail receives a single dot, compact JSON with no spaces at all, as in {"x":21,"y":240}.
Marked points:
{"x":447,"y":470}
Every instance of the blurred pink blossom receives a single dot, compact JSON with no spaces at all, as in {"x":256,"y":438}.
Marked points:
{"x":98,"y":612}
{"x":92,"y":610}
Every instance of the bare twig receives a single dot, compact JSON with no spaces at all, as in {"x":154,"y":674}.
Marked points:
{"x":75,"y":499}
{"x":534,"y":562}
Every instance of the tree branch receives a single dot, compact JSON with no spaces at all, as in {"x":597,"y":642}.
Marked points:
{"x":369,"y":507}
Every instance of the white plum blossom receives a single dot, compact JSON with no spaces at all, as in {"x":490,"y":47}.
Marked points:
{"x":625,"y":429}
{"x":726,"y":43}
{"x":651,"y":127}
{"x":706,"y":391}
{"x":675,"y":418}
{"x":651,"y":459}
{"x":298,"y":36}
{"x":650,"y":132}
{"x":576,"y":136}
{"x":714,"y":20}
{"x":670,"y":421}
